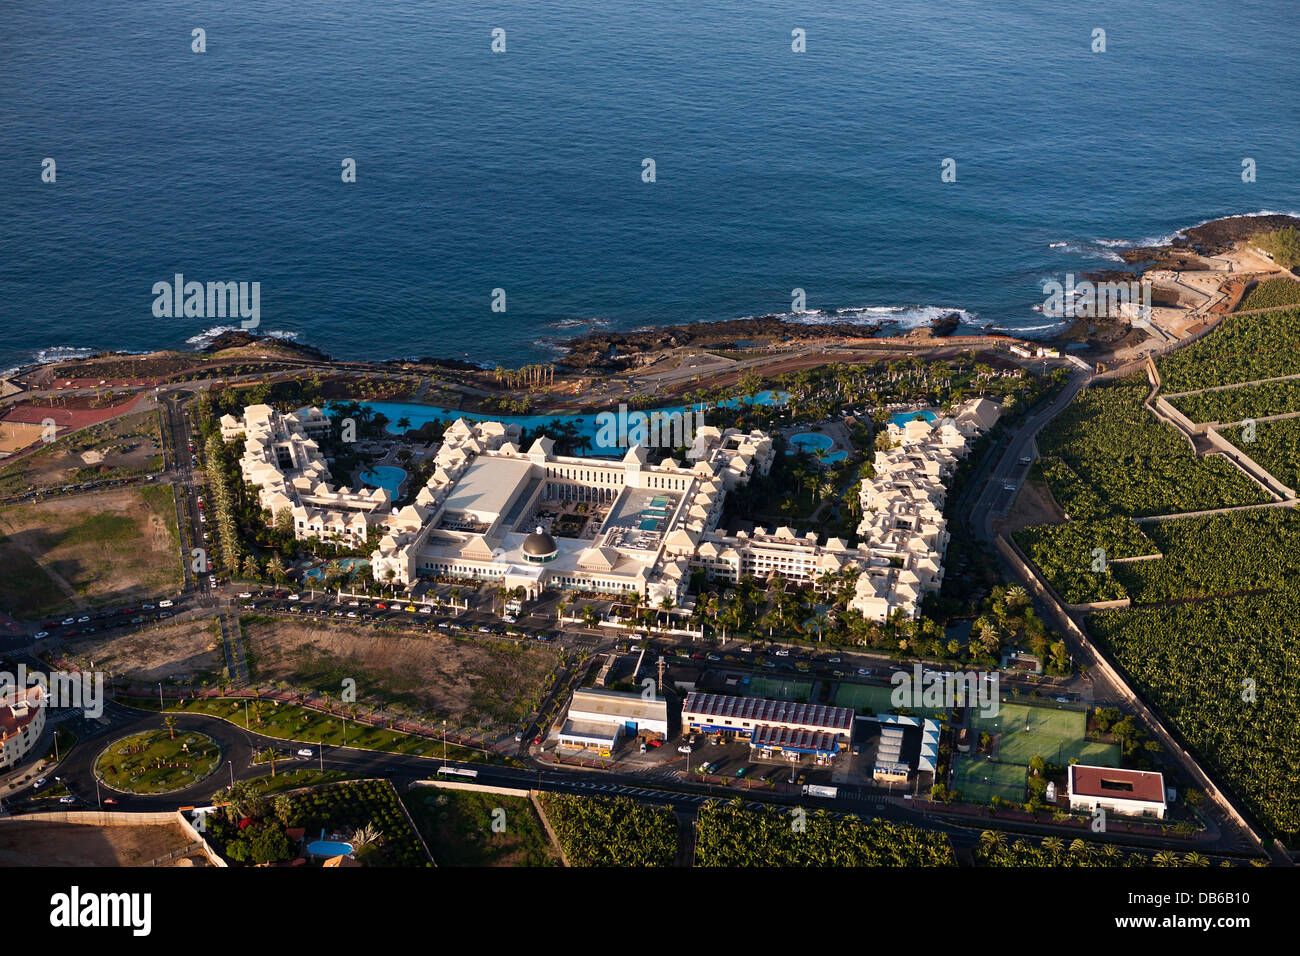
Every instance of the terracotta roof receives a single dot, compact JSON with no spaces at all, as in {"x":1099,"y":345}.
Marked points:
{"x":1105,"y":782}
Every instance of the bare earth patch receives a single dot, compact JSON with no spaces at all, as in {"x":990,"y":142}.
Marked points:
{"x":467,"y":681}
{"x":184,"y":650}
{"x":103,"y":548}
{"x":35,"y":843}
{"x":1033,"y":506}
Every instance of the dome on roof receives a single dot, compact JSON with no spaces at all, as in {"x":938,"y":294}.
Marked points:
{"x":539,"y":546}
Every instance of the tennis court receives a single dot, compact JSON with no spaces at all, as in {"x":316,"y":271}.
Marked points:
{"x":778,"y":689}
{"x":1024,"y":732}
{"x":874,"y":699}
{"x":979,"y":779}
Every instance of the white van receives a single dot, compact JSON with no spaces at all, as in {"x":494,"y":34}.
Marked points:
{"x":165,"y":603}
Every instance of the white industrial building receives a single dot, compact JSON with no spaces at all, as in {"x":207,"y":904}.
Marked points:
{"x":1133,"y":792}
{"x":597,"y":719}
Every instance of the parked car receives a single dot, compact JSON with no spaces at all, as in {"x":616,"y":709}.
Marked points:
{"x":864,"y":671}
{"x":245,"y":594}
{"x":685,"y":749}
{"x":783,"y":653}
{"x":40,"y":634}
{"x":656,"y":743}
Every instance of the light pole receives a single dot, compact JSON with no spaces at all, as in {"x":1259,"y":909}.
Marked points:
{"x":231,"y":765}
{"x":444,"y":743}
{"x":160,"y":700}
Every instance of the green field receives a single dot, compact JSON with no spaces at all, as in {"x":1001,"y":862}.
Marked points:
{"x":158,"y":761}
{"x":1057,"y":736}
{"x":777,"y":688}
{"x":864,"y":698}
{"x":979,"y":779}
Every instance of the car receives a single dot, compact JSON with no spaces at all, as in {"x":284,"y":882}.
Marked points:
{"x":746,"y":649}
{"x":656,"y":743}
{"x":354,"y":604}
{"x":832,"y":660}
{"x":770,"y":665}
{"x":685,"y":749}
{"x":714,"y":657}
{"x":1009,"y":486}
{"x":165,"y":614}
{"x":484,"y":629}
{"x":203,"y":519}
{"x":740,"y":771}
{"x":295,"y":597}
{"x":783,"y":653}
{"x":352,"y":613}
{"x":40,"y":634}
{"x":380,"y":606}
{"x":68,"y":799}
{"x":84,"y":618}
{"x":245,"y":594}
{"x":69,"y":620}
{"x":643,"y":746}
{"x":1026,"y":460}
{"x":146,"y":607}
{"x":167,"y":603}
{"x":110,"y":802}
{"x":519,"y":738}
{"x":443,"y":624}
{"x":697,"y":657}
{"x":537,"y":739}
{"x":306,"y":752}
{"x":715,"y":741}
{"x":864,"y":671}
{"x":39,"y":783}
{"x":137,"y":620}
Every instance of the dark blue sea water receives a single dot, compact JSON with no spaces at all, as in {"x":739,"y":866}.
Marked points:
{"x":522,"y":170}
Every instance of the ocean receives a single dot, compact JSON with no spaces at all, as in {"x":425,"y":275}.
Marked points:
{"x":523,"y":170}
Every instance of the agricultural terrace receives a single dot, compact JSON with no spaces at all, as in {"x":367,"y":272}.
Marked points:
{"x":611,"y":831}
{"x":67,"y":553}
{"x":1244,"y":348}
{"x":1133,"y":462}
{"x":492,"y":685}
{"x":1272,"y":293}
{"x":118,"y":448}
{"x":1276,"y":448}
{"x":458,"y":827}
{"x":1067,"y":553}
{"x":1226,"y":672}
{"x":732,"y":834}
{"x":1227,"y":405}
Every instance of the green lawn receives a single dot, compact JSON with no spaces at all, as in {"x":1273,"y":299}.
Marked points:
{"x":979,"y":779}
{"x":158,"y":762}
{"x":1057,"y":736}
{"x":291,"y":722}
{"x":465,"y":828}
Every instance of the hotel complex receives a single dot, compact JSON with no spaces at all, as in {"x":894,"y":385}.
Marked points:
{"x":282,"y":460}
{"x":534,"y":519}
{"x":903,"y":528}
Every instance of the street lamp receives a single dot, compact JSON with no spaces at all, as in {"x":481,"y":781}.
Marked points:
{"x":231,"y":765}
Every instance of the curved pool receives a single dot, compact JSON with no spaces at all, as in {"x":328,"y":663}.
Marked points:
{"x":329,"y":848}
{"x":816,"y":444}
{"x":388,"y":477}
{"x":902,"y":418}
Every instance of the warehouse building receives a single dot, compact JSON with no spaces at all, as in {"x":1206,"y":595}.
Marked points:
{"x":1133,"y":792}
{"x":597,"y":719}
{"x":773,"y":727}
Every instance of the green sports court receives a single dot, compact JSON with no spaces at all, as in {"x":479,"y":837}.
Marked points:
{"x":1022,"y":731}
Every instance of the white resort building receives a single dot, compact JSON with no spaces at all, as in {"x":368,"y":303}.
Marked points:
{"x":902,"y":526}
{"x":532,"y":519}
{"x":282,"y":460}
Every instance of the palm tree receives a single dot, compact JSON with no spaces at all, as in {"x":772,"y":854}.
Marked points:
{"x":170,"y":722}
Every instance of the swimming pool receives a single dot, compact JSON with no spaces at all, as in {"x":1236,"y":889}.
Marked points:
{"x":586,"y":425}
{"x":818,"y":445}
{"x":329,"y":848}
{"x":811,"y":442}
{"x":387,"y":477}
{"x":902,"y":418}
{"x":349,"y":564}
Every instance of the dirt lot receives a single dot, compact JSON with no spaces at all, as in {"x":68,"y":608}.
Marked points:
{"x":186,"y":650}
{"x":129,"y":445}
{"x":104,"y":548}
{"x":35,"y":843}
{"x":470,"y":681}
{"x":1034,"y":505}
